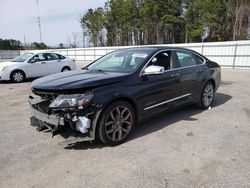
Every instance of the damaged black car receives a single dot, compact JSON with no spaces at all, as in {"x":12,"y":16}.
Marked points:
{"x":106,"y":99}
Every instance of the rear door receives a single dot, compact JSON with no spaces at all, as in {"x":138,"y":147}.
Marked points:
{"x":192,"y":70}
{"x":158,"y":92}
{"x":55,"y":64}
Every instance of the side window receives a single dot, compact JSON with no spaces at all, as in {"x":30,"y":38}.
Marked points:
{"x":162,"y":59}
{"x":186,"y":59}
{"x":39,"y":57}
{"x":51,"y":56}
{"x":60,"y":56}
{"x":199,"y":59}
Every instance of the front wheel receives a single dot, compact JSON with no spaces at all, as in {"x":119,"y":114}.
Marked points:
{"x":207,"y":96}
{"x":17,"y":76}
{"x":116,"y":123}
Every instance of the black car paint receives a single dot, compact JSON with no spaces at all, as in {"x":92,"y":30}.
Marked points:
{"x":141,"y":91}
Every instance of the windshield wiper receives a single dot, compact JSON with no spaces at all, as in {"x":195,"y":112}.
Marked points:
{"x":97,"y":70}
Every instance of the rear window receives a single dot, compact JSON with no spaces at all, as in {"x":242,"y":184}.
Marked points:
{"x":186,"y":59}
{"x":199,"y":59}
{"x":61,"y":56}
{"x":51,"y":56}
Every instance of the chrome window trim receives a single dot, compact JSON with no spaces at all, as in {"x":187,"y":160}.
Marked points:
{"x":167,"y":101}
{"x":179,"y":68}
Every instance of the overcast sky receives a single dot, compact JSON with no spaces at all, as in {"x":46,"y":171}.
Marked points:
{"x":59,"y":18}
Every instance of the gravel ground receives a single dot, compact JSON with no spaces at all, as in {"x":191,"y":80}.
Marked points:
{"x":184,"y":148}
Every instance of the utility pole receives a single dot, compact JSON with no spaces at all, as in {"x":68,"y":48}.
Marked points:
{"x":24,"y":42}
{"x":39,"y":22}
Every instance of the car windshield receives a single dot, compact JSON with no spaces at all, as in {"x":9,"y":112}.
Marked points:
{"x":127,"y":61}
{"x":22,"y":58}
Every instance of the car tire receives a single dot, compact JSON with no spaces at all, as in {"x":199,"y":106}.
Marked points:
{"x":65,"y":69}
{"x":207,"y":96}
{"x":116,"y":123}
{"x":17,"y":76}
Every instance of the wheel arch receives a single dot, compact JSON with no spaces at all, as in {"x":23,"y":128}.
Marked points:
{"x":212,"y":81}
{"x":14,"y":70}
{"x":98,"y":115}
{"x":126,"y":99}
{"x":66,"y":66}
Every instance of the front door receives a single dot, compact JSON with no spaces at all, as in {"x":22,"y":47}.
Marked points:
{"x":159,"y":91}
{"x":39,"y":66}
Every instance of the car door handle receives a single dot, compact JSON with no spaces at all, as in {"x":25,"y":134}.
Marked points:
{"x":175,"y":75}
{"x":43,"y":62}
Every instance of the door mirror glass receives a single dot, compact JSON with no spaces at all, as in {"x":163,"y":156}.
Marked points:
{"x":32,"y":60}
{"x":153,"y":69}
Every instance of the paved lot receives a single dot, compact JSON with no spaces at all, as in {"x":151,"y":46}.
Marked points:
{"x":185,"y":148}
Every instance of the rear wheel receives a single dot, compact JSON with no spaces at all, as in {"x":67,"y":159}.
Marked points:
{"x":207,"y":96}
{"x":17,"y":76}
{"x":116,"y":123}
{"x":65,"y":69}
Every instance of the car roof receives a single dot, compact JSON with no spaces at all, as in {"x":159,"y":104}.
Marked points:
{"x":156,"y":48}
{"x":159,"y":48}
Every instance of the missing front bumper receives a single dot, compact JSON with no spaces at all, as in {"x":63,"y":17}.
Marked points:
{"x":49,"y":119}
{"x":78,"y":125}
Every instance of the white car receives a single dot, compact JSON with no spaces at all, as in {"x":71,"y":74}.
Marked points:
{"x":31,"y":65}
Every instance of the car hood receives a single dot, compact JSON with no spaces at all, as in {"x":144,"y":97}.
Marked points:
{"x":80,"y":79}
{"x":7,"y":63}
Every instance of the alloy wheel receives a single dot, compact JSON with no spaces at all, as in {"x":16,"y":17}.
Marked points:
{"x":208,"y":95}
{"x":118,"y":123}
{"x":18,"y":77}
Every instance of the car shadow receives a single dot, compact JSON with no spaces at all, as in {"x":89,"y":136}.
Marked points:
{"x":25,"y":81}
{"x":168,"y":118}
{"x":85,"y":145}
{"x":158,"y":122}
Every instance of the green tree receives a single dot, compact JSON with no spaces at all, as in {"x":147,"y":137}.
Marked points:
{"x":38,"y":46}
{"x":138,"y":22}
{"x":239,"y":11}
{"x":204,"y":13}
{"x":93,"y":22}
{"x":61,"y":46}
{"x":162,"y":19}
{"x":121,"y":21}
{"x":10,"y":44}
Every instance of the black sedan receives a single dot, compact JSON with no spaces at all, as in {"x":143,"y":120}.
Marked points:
{"x":106,"y":99}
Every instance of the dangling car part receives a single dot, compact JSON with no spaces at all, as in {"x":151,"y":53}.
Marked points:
{"x":54,"y":113}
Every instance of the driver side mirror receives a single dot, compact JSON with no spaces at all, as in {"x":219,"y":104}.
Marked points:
{"x":153,"y":69}
{"x":32,"y":60}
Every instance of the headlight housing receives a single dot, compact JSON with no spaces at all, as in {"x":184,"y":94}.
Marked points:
{"x":75,"y":101}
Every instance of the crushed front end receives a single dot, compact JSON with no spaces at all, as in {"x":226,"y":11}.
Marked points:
{"x":60,"y":112}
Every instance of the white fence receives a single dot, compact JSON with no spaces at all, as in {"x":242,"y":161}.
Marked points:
{"x":9,"y":54}
{"x":233,"y":54}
